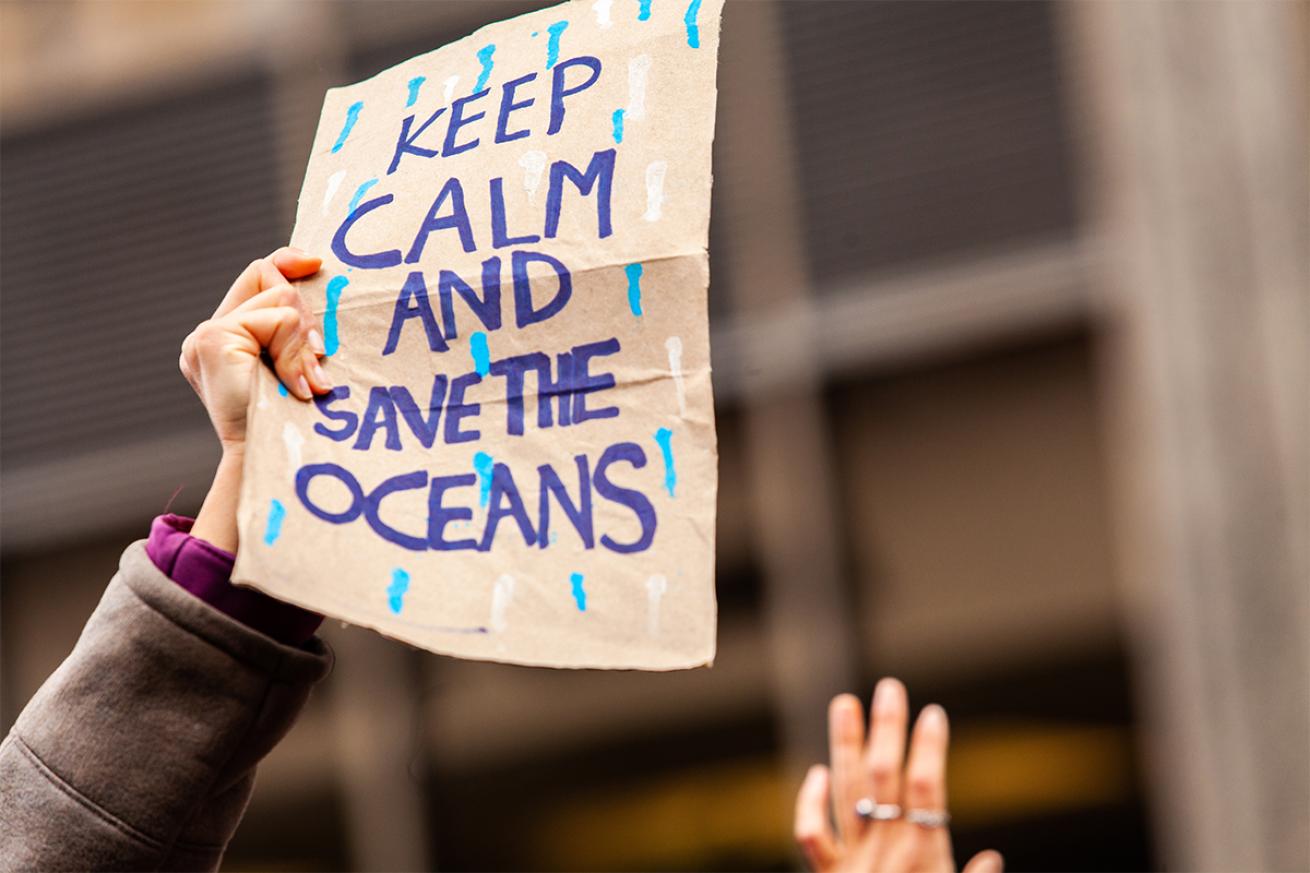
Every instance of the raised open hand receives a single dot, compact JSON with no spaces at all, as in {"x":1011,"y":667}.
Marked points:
{"x":889,"y":809}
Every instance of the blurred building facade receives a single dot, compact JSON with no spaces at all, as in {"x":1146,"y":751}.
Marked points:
{"x":1011,"y":324}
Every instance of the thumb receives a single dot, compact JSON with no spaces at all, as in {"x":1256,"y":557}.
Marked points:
{"x":295,"y":264}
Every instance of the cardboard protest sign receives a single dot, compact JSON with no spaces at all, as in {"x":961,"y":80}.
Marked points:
{"x":518,"y":460}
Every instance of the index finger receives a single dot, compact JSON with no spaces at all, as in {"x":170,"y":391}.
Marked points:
{"x":264,"y":273}
{"x":845,"y":740}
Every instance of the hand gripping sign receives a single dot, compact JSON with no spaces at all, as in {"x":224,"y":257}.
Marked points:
{"x":518,"y":463}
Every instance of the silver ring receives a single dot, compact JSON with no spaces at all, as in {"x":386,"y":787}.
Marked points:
{"x":867,"y":810}
{"x":928,"y":818}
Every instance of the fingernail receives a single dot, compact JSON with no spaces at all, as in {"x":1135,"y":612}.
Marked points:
{"x":316,"y":342}
{"x":882,"y":696}
{"x":933,"y":716}
{"x":320,"y":377}
{"x":304,"y":387}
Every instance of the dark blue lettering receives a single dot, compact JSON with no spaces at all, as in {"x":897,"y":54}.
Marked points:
{"x":405,"y":143}
{"x":457,"y":120}
{"x":513,"y":369}
{"x":634,"y":500}
{"x":439,"y":516}
{"x":457,"y":410}
{"x":379,"y":415}
{"x":507,"y":105}
{"x":558,"y":91}
{"x":584,"y":383}
{"x":599,"y":174}
{"x":458,"y":219}
{"x":524,"y":314}
{"x":375,"y":261}
{"x":500,"y":237}
{"x":425,"y":427}
{"x":412,"y":302}
{"x":349,"y":420}
{"x":373,"y":506}
{"x":306,"y":474}
{"x":486,"y":307}
{"x":564,"y":388}
{"x":579,"y":513}
{"x":504,"y":491}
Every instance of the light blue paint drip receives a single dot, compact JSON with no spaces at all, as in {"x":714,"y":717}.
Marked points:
{"x":484,"y":466}
{"x":359,"y":194}
{"x":634,"y":288}
{"x":331,"y":341}
{"x":484,"y":58}
{"x":276,"y":513}
{"x":618,"y":125}
{"x":552,"y":43}
{"x":664,"y":437}
{"x":579,"y":593}
{"x":693,"y":29}
{"x":414,"y":84}
{"x":396,"y":590}
{"x":352,"y":115}
{"x":480,"y":352}
{"x":282,"y":389}
{"x":643,"y":10}
{"x":554,"y":537}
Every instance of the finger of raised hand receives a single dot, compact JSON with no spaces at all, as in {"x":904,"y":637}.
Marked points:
{"x":287,"y":295}
{"x":813,"y":830}
{"x":263,"y":273}
{"x":925,"y":771}
{"x":295,"y":264}
{"x":989,"y":861}
{"x":925,"y":789}
{"x":278,"y":329}
{"x":885,"y":756}
{"x":845,"y":742}
{"x":271,"y":276}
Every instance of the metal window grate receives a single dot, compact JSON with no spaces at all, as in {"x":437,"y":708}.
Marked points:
{"x":136,"y":221}
{"x":925,"y":129}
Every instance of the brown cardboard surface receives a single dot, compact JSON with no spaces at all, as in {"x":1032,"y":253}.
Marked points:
{"x":338,"y":510}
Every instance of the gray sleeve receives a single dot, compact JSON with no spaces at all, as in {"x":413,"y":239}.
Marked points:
{"x":139,"y":752}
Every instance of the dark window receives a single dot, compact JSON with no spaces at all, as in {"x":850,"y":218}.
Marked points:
{"x":121,"y":232}
{"x":924,"y":129}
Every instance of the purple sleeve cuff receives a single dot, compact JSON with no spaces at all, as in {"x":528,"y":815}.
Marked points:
{"x":206,"y":571}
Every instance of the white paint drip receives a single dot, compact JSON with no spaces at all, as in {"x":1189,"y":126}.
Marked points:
{"x":655,"y":171}
{"x":674,"y":345}
{"x":448,"y":88}
{"x":333,"y":183}
{"x":656,"y":586}
{"x":293,"y":440}
{"x":501,"y":596}
{"x":638,"y":67}
{"x":602,"y":8}
{"x":534,"y":165}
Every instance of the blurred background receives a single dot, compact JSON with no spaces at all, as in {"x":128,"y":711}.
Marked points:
{"x":1011,"y":319}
